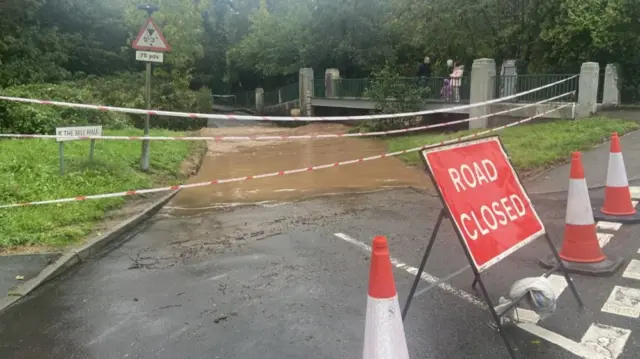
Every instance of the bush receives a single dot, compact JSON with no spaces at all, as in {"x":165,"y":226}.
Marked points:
{"x":122,"y":90}
{"x":43,"y":119}
{"x":394,"y":94}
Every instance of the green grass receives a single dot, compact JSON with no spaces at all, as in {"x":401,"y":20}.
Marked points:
{"x":29,"y":171}
{"x":532,"y":146}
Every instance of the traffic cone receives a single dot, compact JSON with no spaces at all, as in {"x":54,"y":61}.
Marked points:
{"x":581,"y":252}
{"x":383,"y":333}
{"x":617,"y":197}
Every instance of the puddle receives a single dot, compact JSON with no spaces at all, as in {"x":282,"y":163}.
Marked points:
{"x":242,"y":158}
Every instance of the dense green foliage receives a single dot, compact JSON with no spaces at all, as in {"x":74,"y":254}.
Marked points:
{"x":233,"y":45}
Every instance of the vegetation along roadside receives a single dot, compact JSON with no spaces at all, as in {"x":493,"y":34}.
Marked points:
{"x":532,"y":147}
{"x":29,"y":171}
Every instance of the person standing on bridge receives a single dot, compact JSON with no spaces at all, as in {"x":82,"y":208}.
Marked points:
{"x":424,"y":71}
{"x":456,"y":80}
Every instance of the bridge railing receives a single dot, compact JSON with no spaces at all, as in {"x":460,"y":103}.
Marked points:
{"x":284,"y":94}
{"x":512,"y":84}
{"x":357,"y":88}
{"x":245,"y":99}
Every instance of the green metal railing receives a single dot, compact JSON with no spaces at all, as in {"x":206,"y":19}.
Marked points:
{"x":439,"y":90}
{"x":284,"y":94}
{"x":510,"y":85}
{"x":290,"y":92}
{"x":245,"y":99}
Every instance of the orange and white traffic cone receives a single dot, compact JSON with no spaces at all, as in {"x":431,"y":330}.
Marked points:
{"x":383,"y":333}
{"x":617,"y":196}
{"x":581,"y":251}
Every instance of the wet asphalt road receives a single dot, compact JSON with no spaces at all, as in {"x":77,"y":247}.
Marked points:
{"x":275,"y":282}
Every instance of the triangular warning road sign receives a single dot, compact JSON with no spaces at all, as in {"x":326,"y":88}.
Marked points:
{"x":150,"y":38}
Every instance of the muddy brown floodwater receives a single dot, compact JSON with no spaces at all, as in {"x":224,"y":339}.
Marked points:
{"x":242,"y":158}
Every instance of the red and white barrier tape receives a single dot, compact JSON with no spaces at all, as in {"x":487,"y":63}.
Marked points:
{"x":273,"y":118}
{"x":274,"y":174}
{"x":285,"y":137}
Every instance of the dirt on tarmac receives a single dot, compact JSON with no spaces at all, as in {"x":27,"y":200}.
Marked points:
{"x":242,"y":158}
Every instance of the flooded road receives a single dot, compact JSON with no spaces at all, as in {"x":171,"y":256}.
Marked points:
{"x":242,"y":158}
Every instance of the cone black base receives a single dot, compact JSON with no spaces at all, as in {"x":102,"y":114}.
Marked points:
{"x":605,"y":268}
{"x":599,"y":216}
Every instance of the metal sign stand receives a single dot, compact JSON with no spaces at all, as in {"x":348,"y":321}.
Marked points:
{"x":92,"y":145}
{"x":150,"y":44}
{"x":497,"y":318}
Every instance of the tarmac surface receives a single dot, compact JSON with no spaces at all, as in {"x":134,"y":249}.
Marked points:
{"x":288,"y":278}
{"x":276,"y":282}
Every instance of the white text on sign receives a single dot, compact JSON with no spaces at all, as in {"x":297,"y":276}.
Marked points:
{"x":149,"y":56}
{"x":77,"y":131}
{"x":491,"y":216}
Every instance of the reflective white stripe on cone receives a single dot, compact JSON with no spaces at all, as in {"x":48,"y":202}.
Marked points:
{"x":580,"y":242}
{"x":617,"y":196}
{"x":384,"y":332}
{"x":579,"y":211}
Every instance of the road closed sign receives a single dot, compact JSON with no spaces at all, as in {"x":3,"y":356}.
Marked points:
{"x":488,"y":205}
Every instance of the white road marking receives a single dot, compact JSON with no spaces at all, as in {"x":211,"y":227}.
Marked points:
{"x":425,"y":276}
{"x":608,"y":226}
{"x":633,"y":270}
{"x":634,"y":204}
{"x":605,"y":340}
{"x":623,"y":301}
{"x":604,"y":238}
{"x":635,"y":192}
{"x":525,"y":316}
{"x":557,"y":339}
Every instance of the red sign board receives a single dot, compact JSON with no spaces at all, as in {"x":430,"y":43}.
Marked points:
{"x":488,"y":205}
{"x":150,"y":38}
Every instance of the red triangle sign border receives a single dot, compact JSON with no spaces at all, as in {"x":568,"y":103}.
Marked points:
{"x":141,"y":33}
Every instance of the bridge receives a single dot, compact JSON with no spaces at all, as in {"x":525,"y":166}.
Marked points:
{"x":333,"y":95}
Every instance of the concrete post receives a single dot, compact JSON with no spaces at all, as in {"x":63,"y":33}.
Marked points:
{"x":259,"y":98}
{"x":306,"y":91}
{"x":508,"y":78}
{"x":483,"y":80}
{"x":588,"y":89}
{"x":331,"y":81}
{"x":610,"y":91}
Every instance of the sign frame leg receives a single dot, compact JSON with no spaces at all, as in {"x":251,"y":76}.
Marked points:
{"x":423,"y":263}
{"x":61,"y":153}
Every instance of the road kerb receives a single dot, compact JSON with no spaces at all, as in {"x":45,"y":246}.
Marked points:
{"x":77,"y":255}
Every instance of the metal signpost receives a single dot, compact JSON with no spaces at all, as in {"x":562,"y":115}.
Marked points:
{"x":489,"y":209}
{"x":76,"y":131}
{"x":150,"y":45}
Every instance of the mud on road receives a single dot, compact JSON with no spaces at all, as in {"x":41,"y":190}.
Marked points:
{"x":241,"y":158}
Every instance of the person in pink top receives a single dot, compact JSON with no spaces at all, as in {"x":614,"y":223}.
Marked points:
{"x":456,"y":80}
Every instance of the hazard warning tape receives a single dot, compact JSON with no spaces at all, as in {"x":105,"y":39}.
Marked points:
{"x":283,"y":137}
{"x":275,"y":174}
{"x":273,"y":118}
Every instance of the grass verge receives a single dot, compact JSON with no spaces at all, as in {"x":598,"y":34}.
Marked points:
{"x":532,"y":147}
{"x":29,"y":171}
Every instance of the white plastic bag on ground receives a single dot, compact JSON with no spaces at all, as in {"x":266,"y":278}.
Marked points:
{"x":539,"y":294}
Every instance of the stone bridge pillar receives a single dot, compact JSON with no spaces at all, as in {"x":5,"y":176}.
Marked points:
{"x":259,"y":99}
{"x":483,"y":79}
{"x":588,"y":90}
{"x":331,"y":83}
{"x":306,"y":91}
{"x":610,"y":91}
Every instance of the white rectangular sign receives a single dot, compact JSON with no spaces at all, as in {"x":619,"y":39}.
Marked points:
{"x":77,"y":131}
{"x":149,"y":56}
